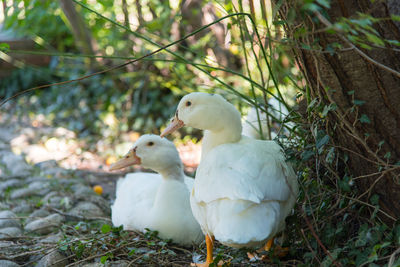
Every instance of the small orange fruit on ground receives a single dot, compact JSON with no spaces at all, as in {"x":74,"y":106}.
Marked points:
{"x":110,"y":160}
{"x":98,"y":189}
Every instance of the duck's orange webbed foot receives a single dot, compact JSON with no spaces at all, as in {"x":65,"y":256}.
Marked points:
{"x":205,"y":264}
{"x":278,"y":251}
{"x":209,"y":258}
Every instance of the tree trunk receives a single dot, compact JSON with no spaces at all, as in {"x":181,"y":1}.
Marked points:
{"x":196,"y":14}
{"x":82,"y":35}
{"x":366,"y":122}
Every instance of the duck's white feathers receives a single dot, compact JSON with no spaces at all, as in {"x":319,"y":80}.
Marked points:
{"x":248,"y":170}
{"x":241,"y":185}
{"x":146,"y":200}
{"x":135,"y":194}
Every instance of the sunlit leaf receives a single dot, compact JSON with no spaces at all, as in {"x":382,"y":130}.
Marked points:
{"x":105,"y":228}
{"x":4,"y":47}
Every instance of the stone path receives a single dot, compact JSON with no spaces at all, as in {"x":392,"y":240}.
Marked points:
{"x":38,"y":205}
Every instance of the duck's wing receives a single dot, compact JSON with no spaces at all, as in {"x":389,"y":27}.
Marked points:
{"x":250,"y":170}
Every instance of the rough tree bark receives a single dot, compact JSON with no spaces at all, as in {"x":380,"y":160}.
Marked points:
{"x":355,"y":74}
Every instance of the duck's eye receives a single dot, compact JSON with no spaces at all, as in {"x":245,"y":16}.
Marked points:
{"x":188,"y":103}
{"x":150,"y":143}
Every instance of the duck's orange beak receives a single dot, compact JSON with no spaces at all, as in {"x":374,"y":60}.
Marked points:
{"x":130,"y":159}
{"x":174,"y":125}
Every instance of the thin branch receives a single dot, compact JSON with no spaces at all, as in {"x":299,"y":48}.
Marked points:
{"x":318,"y":240}
{"x":81,"y":218}
{"x":392,"y":257}
{"x":371,"y":206}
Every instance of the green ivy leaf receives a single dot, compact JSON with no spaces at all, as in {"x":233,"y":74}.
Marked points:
{"x":105,"y":228}
{"x":306,"y":155}
{"x":364,"y":119}
{"x":331,"y":155}
{"x":103,"y":259}
{"x":381,"y":143}
{"x":358,"y":102}
{"x":375,"y":39}
{"x":365,"y":46}
{"x":393,"y":42}
{"x":323,"y":141}
{"x":133,"y":251}
{"x":344,"y":184}
{"x":312,"y":104}
{"x":374,"y":199}
{"x":350,"y":92}
{"x":324,"y":3}
{"x":395,"y":17}
{"x":279,"y":22}
{"x":311,"y":7}
{"x":305,"y":46}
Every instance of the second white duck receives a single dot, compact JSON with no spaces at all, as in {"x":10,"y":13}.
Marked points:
{"x":156,"y":201}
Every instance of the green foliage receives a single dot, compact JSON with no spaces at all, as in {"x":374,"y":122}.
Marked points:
{"x":4,"y":47}
{"x":141,"y":100}
{"x":143,"y":96}
{"x":105,"y":228}
{"x":329,"y":211}
{"x":41,"y":20}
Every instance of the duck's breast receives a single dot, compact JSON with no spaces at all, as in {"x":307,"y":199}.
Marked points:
{"x":135,"y":196}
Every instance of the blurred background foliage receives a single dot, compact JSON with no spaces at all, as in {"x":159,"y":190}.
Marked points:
{"x":89,"y":36}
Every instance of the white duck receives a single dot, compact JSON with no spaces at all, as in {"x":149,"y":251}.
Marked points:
{"x":156,"y":201}
{"x":243,"y":189}
{"x":251,"y":126}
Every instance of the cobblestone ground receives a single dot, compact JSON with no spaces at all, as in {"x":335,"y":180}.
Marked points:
{"x":38,"y":203}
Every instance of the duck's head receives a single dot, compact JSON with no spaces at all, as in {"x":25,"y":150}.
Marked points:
{"x":204,"y":111}
{"x":152,"y":152}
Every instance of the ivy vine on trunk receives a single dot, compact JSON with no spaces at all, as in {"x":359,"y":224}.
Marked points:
{"x":349,"y":54}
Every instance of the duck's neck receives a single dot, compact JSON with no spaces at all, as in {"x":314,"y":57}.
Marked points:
{"x":172,"y":173}
{"x":230,"y":133}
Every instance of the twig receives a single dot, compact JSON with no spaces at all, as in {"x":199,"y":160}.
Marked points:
{"x":376,"y":173}
{"x":23,"y":254}
{"x":180,"y":249}
{"x":11,"y":238}
{"x":78,"y":217}
{"x":318,"y":240}
{"x":372,"y":186}
{"x":309,"y":246}
{"x":391,"y":260}
{"x":141,"y":256}
{"x":369,"y":205}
